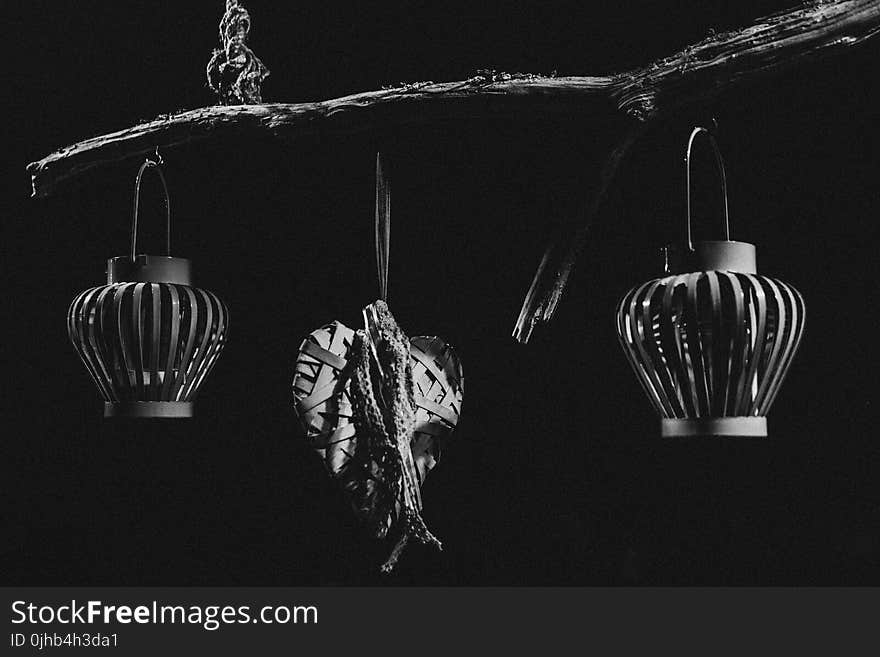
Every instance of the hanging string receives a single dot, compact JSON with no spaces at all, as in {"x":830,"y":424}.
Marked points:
{"x":383,"y":224}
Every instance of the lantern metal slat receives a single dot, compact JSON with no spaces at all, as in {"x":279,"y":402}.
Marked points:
{"x":125,"y":348}
{"x":654,"y":374}
{"x":668,"y":345}
{"x":211,"y":346}
{"x":736,"y":357}
{"x":86,"y":347}
{"x":712,"y":341}
{"x":139,"y":335}
{"x":716,"y":349}
{"x":778,"y":344}
{"x":148,"y":338}
{"x":90,"y":314}
{"x":695,"y":372}
{"x":155,"y":346}
{"x":793,"y":337}
{"x":753,"y":353}
{"x":170,"y":374}
{"x":192,"y":316}
{"x":112,"y":361}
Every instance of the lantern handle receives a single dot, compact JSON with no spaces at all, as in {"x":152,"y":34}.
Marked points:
{"x":383,"y":223}
{"x":720,"y":162}
{"x":155,"y":165}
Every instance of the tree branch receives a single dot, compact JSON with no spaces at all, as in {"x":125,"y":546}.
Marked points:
{"x":548,"y":283}
{"x":490,"y":94}
{"x":695,"y":74}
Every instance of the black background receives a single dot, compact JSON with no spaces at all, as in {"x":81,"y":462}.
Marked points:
{"x":556,"y":474}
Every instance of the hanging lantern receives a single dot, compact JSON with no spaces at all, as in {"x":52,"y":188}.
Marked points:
{"x":147,"y":337}
{"x":711,"y":342}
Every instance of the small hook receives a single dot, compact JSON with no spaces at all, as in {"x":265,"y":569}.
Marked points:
{"x":158,"y":161}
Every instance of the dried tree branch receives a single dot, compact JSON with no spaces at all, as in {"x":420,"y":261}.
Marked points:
{"x":695,"y":74}
{"x":541,"y":299}
{"x":480,"y":96}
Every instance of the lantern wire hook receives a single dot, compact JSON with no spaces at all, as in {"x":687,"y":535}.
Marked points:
{"x":155,"y":165}
{"x":720,"y":162}
{"x":383,"y":223}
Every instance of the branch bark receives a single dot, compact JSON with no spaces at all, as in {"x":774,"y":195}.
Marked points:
{"x":695,"y":74}
{"x":492,"y":94}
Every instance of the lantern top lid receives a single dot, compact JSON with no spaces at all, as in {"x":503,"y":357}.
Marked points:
{"x":711,"y":255}
{"x":149,"y":269}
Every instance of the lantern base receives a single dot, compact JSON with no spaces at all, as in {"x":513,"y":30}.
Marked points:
{"x":148,"y":409}
{"x":746,"y":427}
